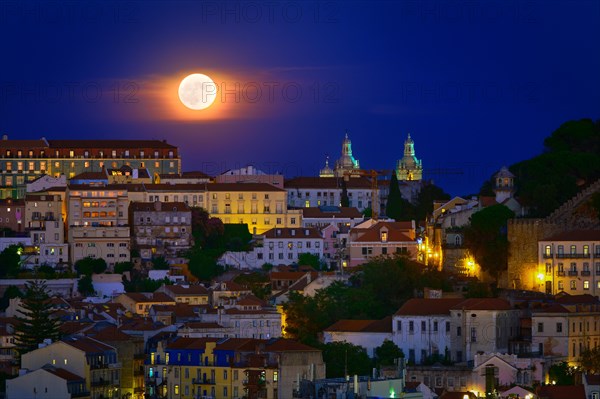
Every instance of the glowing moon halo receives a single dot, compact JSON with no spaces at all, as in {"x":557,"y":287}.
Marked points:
{"x":197,"y":91}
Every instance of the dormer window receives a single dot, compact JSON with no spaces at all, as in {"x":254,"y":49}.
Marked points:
{"x":384,"y":236}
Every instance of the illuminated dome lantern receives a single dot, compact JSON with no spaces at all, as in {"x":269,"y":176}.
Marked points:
{"x":409,"y":168}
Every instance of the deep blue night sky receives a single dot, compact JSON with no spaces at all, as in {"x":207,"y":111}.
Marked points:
{"x":478,"y":84}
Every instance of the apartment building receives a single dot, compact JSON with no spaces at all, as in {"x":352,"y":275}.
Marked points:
{"x":98,"y":224}
{"x":161,"y":228}
{"x":23,"y":161}
{"x":569,"y":262}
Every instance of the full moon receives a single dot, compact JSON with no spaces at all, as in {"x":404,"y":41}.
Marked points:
{"x":197,"y":91}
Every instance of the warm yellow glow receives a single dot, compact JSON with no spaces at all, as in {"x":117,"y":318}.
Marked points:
{"x":197,"y":91}
{"x":540,"y":276}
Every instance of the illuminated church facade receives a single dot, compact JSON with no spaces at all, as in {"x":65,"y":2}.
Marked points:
{"x":346,"y":165}
{"x":409,"y":168}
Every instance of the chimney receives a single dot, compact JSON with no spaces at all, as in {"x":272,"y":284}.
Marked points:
{"x":4,"y":137}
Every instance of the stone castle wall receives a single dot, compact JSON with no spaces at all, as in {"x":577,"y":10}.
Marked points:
{"x":524,"y":234}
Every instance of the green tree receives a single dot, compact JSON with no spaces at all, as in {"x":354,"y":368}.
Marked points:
{"x":11,"y":292}
{"x":89,"y":266}
{"x":344,"y":199}
{"x":160,"y":263}
{"x":393,"y":207}
{"x":202,"y":263}
{"x":10,"y":260}
{"x":562,"y":373}
{"x":121,"y":267}
{"x":571,"y":160}
{"x":207,"y":231}
{"x":486,"y":238}
{"x":343,"y":358}
{"x":267,"y":267}
{"x":308,"y":259}
{"x":387,"y":353}
{"x":35,"y":319}
{"x":590,"y":360}
{"x":257,"y":282}
{"x":424,"y":204}
{"x":477,"y":289}
{"x":85,"y":286}
{"x":367,"y":212}
{"x":577,"y":136}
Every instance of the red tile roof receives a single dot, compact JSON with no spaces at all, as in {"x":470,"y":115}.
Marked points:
{"x":484,"y":304}
{"x":111,"y":334}
{"x":190,"y":343}
{"x":64,"y":374}
{"x":192,"y":290}
{"x":561,"y":392}
{"x":575,"y":235}
{"x":230,"y":286}
{"x":593,"y":379}
{"x":23,"y":144}
{"x":251,"y":300}
{"x":567,"y":299}
{"x":90,"y":176}
{"x":372,"y":326}
{"x":427,"y":306}
{"x":150,"y":297}
{"x":397,"y":232}
{"x":88,"y":345}
{"x":554,"y":308}
{"x":114,"y":144}
{"x":287,"y":275}
{"x":487,"y":201}
{"x":235,"y":343}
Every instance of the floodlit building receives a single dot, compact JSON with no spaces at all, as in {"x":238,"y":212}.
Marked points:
{"x":568,"y":262}
{"x":98,"y":224}
{"x":25,"y":160}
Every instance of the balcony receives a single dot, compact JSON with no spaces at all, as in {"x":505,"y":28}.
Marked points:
{"x":203,"y":381}
{"x":547,"y":256}
{"x":80,"y":394}
{"x":586,"y":273}
{"x":100,"y":383}
{"x":573,"y":256}
{"x":97,"y":366}
{"x":572,"y":273}
{"x":560,"y":273}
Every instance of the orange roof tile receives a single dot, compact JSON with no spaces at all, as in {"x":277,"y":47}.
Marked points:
{"x":561,"y":392}
{"x":428,"y":306}
{"x":575,"y":235}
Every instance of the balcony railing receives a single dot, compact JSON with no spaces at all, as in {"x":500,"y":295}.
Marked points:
{"x":572,"y":256}
{"x":586,"y":273}
{"x":206,"y":381}
{"x":572,"y":273}
{"x":560,"y":273}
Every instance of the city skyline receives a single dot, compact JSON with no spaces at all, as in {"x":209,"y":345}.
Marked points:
{"x":477,"y":85}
